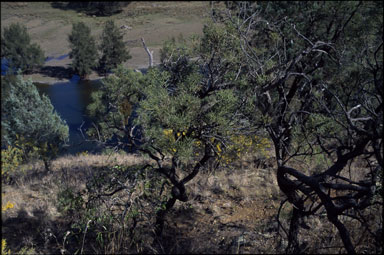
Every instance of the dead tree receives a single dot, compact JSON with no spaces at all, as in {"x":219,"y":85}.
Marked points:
{"x":150,"y":53}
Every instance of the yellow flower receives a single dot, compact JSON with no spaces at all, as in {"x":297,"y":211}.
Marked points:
{"x":4,"y":247}
{"x":168,"y":132}
{"x":8,"y":205}
{"x":218,"y":147}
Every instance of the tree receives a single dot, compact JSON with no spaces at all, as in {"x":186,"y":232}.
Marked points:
{"x":315,"y":70}
{"x":29,"y":121}
{"x":182,"y":118}
{"x":17,"y":48}
{"x":83,"y":50}
{"x":112,"y":48}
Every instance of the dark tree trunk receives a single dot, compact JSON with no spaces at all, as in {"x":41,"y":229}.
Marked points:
{"x":47,"y":165}
{"x":160,"y":215}
{"x":293,"y":235}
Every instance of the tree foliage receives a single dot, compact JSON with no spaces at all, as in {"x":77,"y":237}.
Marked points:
{"x":315,"y":69}
{"x":185,"y":111}
{"x":29,"y":121}
{"x":112,"y":105}
{"x":83,"y":50}
{"x":113,"y":51}
{"x":20,"y":52}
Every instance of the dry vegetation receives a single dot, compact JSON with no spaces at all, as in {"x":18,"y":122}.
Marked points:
{"x":231,"y":210}
{"x":230,"y":204}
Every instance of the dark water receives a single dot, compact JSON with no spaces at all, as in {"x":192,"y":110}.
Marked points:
{"x":70,"y":100}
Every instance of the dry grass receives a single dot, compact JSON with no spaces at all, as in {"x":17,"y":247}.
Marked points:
{"x":35,"y":194}
{"x":230,"y":210}
{"x":239,"y":196}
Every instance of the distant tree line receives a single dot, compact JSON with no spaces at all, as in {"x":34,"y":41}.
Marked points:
{"x":21,"y":54}
{"x":84,"y":49}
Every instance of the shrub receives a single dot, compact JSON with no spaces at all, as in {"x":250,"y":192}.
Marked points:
{"x":29,"y":120}
{"x":11,"y":158}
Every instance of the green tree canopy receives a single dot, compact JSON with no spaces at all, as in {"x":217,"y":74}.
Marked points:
{"x":17,"y":48}
{"x":186,"y":110}
{"x":30,"y":119}
{"x":113,"y":51}
{"x":83,"y":50}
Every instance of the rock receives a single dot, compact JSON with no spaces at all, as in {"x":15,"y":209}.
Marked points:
{"x":227,"y":205}
{"x":125,"y":27}
{"x":216,"y":210}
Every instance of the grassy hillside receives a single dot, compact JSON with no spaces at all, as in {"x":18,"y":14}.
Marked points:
{"x":231,"y":209}
{"x":155,"y":21}
{"x":232,"y":203}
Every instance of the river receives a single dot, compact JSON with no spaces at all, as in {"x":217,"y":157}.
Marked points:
{"x":70,"y":100}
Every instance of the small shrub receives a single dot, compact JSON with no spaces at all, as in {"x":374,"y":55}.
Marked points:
{"x":4,"y":249}
{"x":69,"y":202}
{"x":11,"y":158}
{"x":82,"y":153}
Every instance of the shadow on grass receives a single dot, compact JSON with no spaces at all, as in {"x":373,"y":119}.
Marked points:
{"x":94,"y":8}
{"x":31,"y":231}
{"x":56,"y":72}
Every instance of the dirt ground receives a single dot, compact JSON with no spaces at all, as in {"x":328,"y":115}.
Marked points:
{"x":49,"y":25}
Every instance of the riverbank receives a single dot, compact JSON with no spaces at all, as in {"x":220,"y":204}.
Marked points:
{"x":51,"y":80}
{"x":58,"y":69}
{"x":156,"y":22}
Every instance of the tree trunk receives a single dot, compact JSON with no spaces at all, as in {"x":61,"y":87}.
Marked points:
{"x":293,"y":240}
{"x":160,"y":215}
{"x":344,"y":234}
{"x":47,"y":165}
